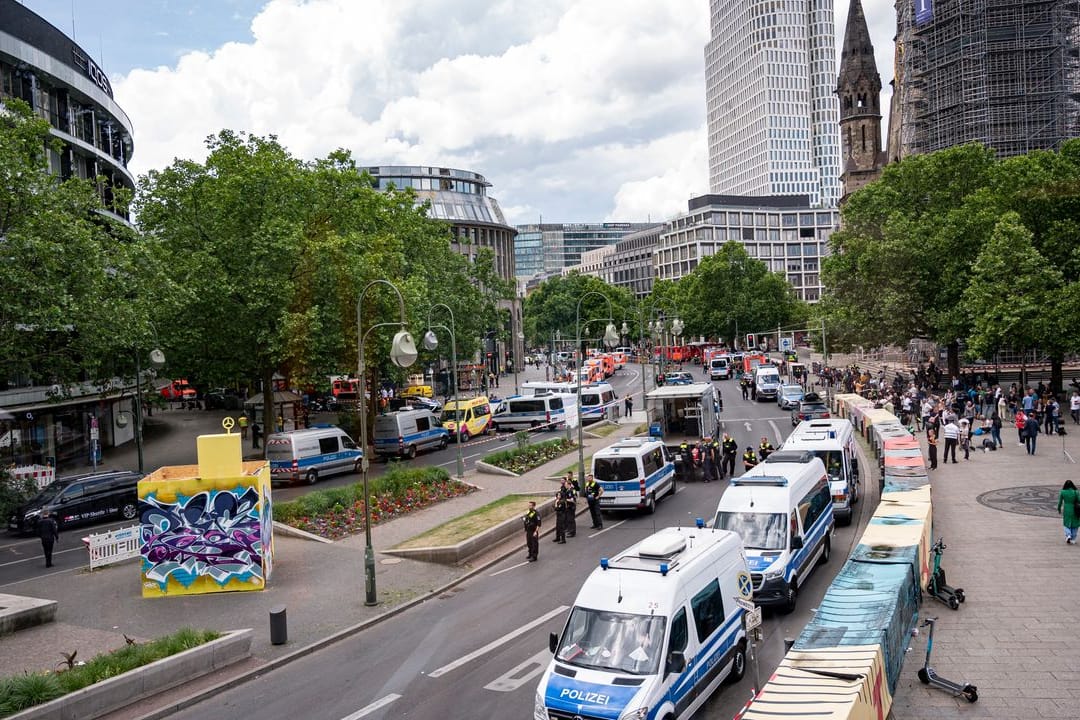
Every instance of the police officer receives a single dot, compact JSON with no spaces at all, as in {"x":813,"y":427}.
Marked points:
{"x":744,"y":385}
{"x":708,"y":461}
{"x":242,"y":421}
{"x":531,"y":520}
{"x":729,"y":449}
{"x":49,"y":532}
{"x":571,"y":506}
{"x":764,"y":448}
{"x":593,"y":491}
{"x":562,"y":496}
{"x":686,"y":462}
{"x":749,"y":459}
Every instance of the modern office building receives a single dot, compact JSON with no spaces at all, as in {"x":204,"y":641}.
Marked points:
{"x":460,"y":197}
{"x":62,"y":83}
{"x":784,"y":232}
{"x":550,"y":247}
{"x":770,"y":80}
{"x":631,"y":263}
{"x":1005,"y":73}
{"x":859,"y":90}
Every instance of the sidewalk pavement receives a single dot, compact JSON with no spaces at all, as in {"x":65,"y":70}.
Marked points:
{"x":321,"y":585}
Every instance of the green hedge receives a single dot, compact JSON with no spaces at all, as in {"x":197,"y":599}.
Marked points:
{"x":523,"y":459}
{"x":23,"y":691}
{"x":396,"y":481}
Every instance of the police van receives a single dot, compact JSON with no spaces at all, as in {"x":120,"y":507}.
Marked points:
{"x":403,"y":433}
{"x":310,"y":454}
{"x":544,"y":411}
{"x":782,"y":509}
{"x":720,"y":367}
{"x":653,"y":633}
{"x":533,"y":387}
{"x":834,"y":442}
{"x":598,"y":401}
{"x":635,"y":473}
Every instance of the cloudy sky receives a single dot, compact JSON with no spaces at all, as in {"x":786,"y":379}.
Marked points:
{"x":575,"y":110}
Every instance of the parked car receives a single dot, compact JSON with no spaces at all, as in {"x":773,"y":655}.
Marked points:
{"x":420,"y":403}
{"x":76,"y":499}
{"x":678,"y":378}
{"x":812,"y":407}
{"x":223,"y":399}
{"x":789,"y":396}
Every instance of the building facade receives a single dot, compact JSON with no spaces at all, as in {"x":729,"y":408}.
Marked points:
{"x":784,"y":232}
{"x":859,"y":91}
{"x":460,"y":197}
{"x":770,"y":79}
{"x":61,"y":83}
{"x":1005,"y":73}
{"x":550,"y":247}
{"x":631,"y":264}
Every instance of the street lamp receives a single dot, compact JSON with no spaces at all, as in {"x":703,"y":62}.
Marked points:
{"x":157,"y":360}
{"x":430,"y":343}
{"x":403,"y":354}
{"x":611,"y":338}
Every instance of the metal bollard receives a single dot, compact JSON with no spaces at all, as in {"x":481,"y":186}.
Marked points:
{"x":279,"y":626}
{"x":788,"y":644}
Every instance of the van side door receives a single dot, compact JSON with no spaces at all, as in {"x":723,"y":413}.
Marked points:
{"x":707,"y":606}
{"x":680,"y":685}
{"x":329,"y":448}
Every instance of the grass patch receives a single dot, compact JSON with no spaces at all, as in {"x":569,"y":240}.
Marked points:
{"x":338,"y":512}
{"x":603,"y":430}
{"x":642,"y":430}
{"x":24,"y":691}
{"x":526,"y":457}
{"x":471,"y":524}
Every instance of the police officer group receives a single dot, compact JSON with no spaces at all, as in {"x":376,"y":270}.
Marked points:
{"x":565,"y":513}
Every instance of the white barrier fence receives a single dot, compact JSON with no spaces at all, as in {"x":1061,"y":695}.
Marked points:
{"x":113,"y":546}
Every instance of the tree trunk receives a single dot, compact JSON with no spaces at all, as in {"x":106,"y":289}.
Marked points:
{"x":1056,"y":380}
{"x":954,"y":360}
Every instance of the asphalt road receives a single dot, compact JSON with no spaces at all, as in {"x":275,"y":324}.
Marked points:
{"x":478,"y":650}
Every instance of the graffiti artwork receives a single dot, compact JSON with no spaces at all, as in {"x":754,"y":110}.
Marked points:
{"x":202,"y":535}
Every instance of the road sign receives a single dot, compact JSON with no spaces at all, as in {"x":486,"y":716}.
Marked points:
{"x":744,"y":584}
{"x":747,"y":605}
{"x":752,"y":618}
{"x":785,"y":344}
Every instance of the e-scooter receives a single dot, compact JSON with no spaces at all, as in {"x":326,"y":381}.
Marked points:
{"x":938,"y":588}
{"x":927,"y":676}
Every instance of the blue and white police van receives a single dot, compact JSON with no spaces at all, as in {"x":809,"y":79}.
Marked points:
{"x":635,"y":473}
{"x":833,"y":441}
{"x":783,"y":512}
{"x":402,"y":433}
{"x":540,"y":411}
{"x":312,"y":453}
{"x":653,"y":632}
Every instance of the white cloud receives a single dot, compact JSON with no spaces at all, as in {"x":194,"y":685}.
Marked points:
{"x":576,"y":109}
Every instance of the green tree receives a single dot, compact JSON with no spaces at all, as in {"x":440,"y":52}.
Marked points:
{"x":552,"y":307}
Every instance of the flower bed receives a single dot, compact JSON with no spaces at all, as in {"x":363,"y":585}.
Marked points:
{"x":339,"y":512}
{"x":523,"y":459}
{"x":24,"y":691}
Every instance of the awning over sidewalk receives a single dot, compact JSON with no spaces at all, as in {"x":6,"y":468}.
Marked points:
{"x":280,"y":397}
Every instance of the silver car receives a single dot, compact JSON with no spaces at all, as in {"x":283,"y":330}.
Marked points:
{"x":789,"y":396}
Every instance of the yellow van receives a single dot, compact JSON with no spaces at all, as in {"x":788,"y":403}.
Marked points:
{"x":475,"y":417}
{"x":423,"y":391}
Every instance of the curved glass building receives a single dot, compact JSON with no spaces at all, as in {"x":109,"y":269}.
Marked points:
{"x":43,"y":67}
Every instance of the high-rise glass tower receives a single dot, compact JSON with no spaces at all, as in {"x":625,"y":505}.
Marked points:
{"x":770,"y":81}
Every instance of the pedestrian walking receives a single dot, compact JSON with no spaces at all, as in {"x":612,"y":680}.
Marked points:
{"x":951,"y":433}
{"x":531,"y":520}
{"x":628,"y":404}
{"x":1031,"y":434}
{"x":995,"y":429}
{"x":1020,"y":421}
{"x":593,"y":493}
{"x":1074,"y":407}
{"x":1069,"y":506}
{"x":931,"y":446}
{"x":49,"y":532}
{"x":256,"y":435}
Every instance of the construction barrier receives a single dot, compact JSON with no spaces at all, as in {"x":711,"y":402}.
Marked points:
{"x":42,"y":475}
{"x":113,"y":546}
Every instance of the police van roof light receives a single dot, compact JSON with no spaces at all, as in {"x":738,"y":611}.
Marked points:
{"x":699,"y":522}
{"x":604,"y":563}
{"x":663,"y":568}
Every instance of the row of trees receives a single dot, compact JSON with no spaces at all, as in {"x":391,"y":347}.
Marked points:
{"x":243,"y":265}
{"x":728,"y":293}
{"x":958,"y":245}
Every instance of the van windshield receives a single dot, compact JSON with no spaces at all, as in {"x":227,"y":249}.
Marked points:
{"x":832,"y":461}
{"x":622,"y":469}
{"x":616,"y":642}
{"x":759,"y":531}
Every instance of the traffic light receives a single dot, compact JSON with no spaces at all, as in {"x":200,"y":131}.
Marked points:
{"x":750,"y":341}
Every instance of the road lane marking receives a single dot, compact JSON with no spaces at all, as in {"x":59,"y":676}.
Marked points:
{"x":497,"y":642}
{"x":512,"y":567}
{"x":377,"y":705}
{"x":37,"y":556}
{"x":38,"y":577}
{"x":523,"y":673}
{"x":609,"y":527}
{"x":776,"y":432}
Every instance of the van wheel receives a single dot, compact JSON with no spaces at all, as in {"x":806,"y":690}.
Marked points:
{"x":826,"y":551}
{"x":129,"y":511}
{"x":312,"y":477}
{"x":464,"y":436}
{"x":411,"y":452}
{"x":650,"y":504}
{"x":792,"y":597}
{"x":738,"y":664}
{"x":443,"y":443}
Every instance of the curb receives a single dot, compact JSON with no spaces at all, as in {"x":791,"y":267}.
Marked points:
{"x":129,"y":688}
{"x":290,"y":531}
{"x":488,"y":469}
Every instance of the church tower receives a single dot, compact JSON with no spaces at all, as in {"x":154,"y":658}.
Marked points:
{"x":859,"y":89}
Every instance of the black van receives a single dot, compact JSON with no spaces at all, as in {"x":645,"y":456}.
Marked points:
{"x":81,"y":499}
